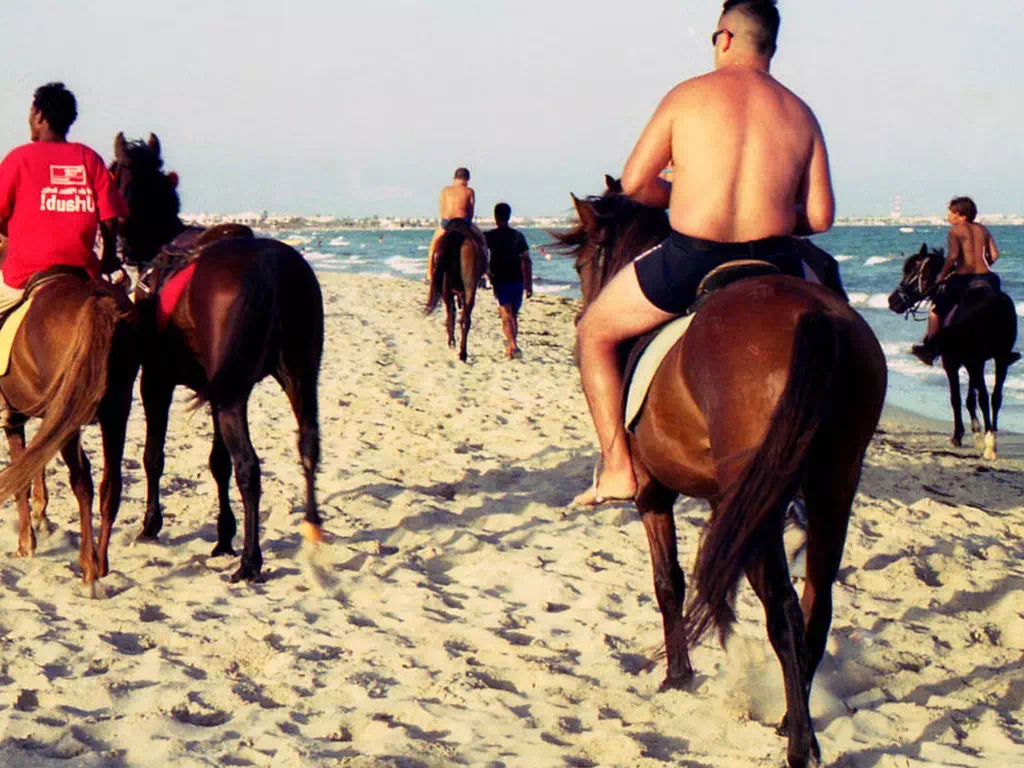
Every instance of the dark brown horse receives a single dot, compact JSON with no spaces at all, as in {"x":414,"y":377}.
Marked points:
{"x":74,"y":359}
{"x":461,"y":263}
{"x":251,"y":309}
{"x":983,"y":328}
{"x":774,"y":390}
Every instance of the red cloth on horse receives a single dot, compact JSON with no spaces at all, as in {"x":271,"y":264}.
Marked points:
{"x":168,"y":297}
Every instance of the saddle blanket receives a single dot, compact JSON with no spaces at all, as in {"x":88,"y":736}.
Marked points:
{"x":647,"y":365}
{"x":9,"y":330}
{"x":170,"y":293}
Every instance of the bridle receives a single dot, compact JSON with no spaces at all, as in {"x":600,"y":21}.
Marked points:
{"x":912,"y":286}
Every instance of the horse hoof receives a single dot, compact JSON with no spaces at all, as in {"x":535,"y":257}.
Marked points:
{"x":223,"y":549}
{"x":148,"y":538}
{"x":314,"y":534}
{"x":244,"y":573}
{"x":681,"y":683}
{"x":955,"y":442}
{"x":463,"y":356}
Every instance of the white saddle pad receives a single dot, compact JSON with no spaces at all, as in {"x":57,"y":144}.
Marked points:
{"x":648,"y":365}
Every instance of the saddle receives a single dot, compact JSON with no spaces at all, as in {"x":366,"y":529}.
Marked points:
{"x":12,"y":318}
{"x":648,"y":351}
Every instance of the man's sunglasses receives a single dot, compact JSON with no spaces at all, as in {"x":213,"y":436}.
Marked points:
{"x":714,"y":37}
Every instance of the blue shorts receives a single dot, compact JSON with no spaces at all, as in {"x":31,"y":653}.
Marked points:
{"x":509,"y":295}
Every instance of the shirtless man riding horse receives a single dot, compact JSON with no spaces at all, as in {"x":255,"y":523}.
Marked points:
{"x":971,"y":251}
{"x":458,"y":201}
{"x":751,"y":169}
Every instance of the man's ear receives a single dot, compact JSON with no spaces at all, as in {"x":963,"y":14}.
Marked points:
{"x":173,"y":178}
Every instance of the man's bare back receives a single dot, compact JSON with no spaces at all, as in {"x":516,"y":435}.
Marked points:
{"x":972,"y":248}
{"x":742,"y":146}
{"x":458,"y":201}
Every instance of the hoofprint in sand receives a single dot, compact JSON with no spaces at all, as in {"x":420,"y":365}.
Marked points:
{"x":460,"y":613}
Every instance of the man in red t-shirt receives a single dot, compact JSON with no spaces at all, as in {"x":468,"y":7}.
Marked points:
{"x":53,"y":194}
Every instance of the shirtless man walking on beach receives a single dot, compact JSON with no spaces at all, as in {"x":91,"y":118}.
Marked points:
{"x":970,"y":251}
{"x":751,"y":169}
{"x":457,"y":202}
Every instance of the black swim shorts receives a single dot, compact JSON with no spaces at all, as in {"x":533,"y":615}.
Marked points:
{"x":670,"y":273}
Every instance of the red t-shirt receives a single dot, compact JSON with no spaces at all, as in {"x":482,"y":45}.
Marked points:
{"x":53,"y":195}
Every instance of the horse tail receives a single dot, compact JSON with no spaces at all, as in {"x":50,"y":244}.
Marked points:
{"x":252,"y":336}
{"x":73,"y":396}
{"x":447,"y":248}
{"x":753,"y":507}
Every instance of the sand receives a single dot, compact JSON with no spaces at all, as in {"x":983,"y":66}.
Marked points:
{"x":461,"y":614}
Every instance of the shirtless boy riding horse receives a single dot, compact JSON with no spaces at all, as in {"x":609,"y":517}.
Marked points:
{"x":751,"y":170}
{"x":457,"y":202}
{"x":971,"y":251}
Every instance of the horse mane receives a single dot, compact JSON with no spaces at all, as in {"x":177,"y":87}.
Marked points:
{"x":619,"y":220}
{"x":152,"y":199}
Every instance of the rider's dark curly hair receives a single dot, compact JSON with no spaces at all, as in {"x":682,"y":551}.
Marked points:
{"x":57,"y":106}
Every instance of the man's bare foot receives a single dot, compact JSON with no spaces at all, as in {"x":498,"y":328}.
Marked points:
{"x":609,"y":488}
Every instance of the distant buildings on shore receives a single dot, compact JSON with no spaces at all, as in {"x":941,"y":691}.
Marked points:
{"x":279,"y":221}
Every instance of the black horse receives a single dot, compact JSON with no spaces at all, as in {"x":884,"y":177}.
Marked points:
{"x":984,"y":327}
{"x":252,"y":308}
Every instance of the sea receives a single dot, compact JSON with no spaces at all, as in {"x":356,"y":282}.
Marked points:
{"x":871,"y":260}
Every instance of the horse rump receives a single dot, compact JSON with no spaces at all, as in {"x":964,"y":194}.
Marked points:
{"x":448,"y":249}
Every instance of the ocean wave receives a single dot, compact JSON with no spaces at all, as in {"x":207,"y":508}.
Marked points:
{"x":407,"y":265}
{"x":872,"y":260}
{"x":339,"y":241}
{"x":551,"y":287}
{"x":873,"y":300}
{"x":843,"y":257}
{"x":318,"y":256}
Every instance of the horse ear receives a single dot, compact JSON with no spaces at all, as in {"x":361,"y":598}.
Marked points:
{"x":120,"y":149}
{"x":154,"y":144}
{"x":173,"y":178}
{"x":924,"y":248}
{"x":585,"y":210}
{"x":614,"y":185}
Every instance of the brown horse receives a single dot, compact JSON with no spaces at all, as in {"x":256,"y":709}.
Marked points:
{"x":774,"y":390}
{"x":461,"y":263}
{"x":984,"y":328}
{"x":74,"y":359}
{"x":251,"y":309}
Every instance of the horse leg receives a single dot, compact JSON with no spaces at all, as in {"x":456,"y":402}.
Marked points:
{"x":449,"y":317}
{"x":953,"y":375}
{"x":220,"y":467}
{"x":234,"y":428}
{"x":302,"y":394}
{"x":114,"y":425}
{"x":26,"y":534}
{"x":976,"y":372}
{"x":1002,"y":368}
{"x":972,"y":410}
{"x":654,"y":502}
{"x":465,"y":319}
{"x":156,"y":388}
{"x":768,"y":574}
{"x":80,"y":473}
{"x":40,"y":500}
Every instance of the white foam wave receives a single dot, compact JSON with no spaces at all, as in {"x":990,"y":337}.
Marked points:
{"x":878,"y":260}
{"x":1020,"y":309}
{"x":873,"y":300}
{"x":317,"y":256}
{"x":407,"y":265}
{"x":552,"y":288}
{"x":339,"y":241}
{"x":843,"y":257}
{"x":422,"y":247}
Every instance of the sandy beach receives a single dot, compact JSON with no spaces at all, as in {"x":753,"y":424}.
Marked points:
{"x":460,"y":614}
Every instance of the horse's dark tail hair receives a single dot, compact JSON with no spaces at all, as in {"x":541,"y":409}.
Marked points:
{"x":447,"y":248}
{"x":252,"y":337}
{"x":752,"y":509}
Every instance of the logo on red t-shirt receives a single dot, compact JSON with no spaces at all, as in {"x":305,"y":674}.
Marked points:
{"x":69,"y":191}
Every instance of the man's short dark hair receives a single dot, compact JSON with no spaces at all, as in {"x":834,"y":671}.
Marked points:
{"x":462,"y":173}
{"x":57,"y":106}
{"x":766,"y":17}
{"x":964,"y":206}
{"x":502,"y":212}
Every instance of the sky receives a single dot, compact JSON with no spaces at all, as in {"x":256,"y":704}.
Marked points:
{"x":366,"y":107}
